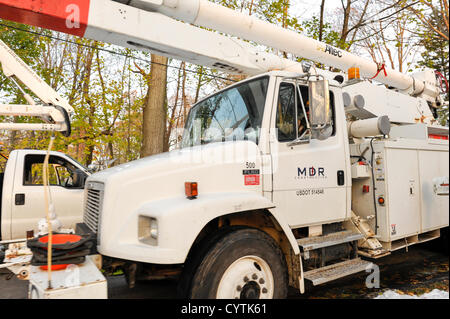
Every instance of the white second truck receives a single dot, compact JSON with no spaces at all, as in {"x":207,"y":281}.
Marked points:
{"x":286,"y":177}
{"x":21,"y":192}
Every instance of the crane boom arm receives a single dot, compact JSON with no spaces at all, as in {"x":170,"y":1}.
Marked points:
{"x":155,"y":26}
{"x":207,"y":14}
{"x":13,"y":65}
{"x":126,"y":26}
{"x":56,"y":110}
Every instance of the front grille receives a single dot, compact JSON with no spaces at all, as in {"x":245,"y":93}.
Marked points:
{"x":93,"y":205}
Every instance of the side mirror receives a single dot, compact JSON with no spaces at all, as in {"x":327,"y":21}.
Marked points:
{"x":320,"y":113}
{"x":78,"y":179}
{"x":92,"y":168}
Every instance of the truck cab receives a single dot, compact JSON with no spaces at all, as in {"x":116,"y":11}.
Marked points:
{"x":252,"y":152}
{"x":22,"y":191}
{"x":262,"y":187}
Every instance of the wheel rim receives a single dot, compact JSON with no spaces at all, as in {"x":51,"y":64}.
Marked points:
{"x":249,"y":277}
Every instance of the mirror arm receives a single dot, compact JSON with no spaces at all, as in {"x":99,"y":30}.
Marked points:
{"x":301,"y":140}
{"x":304,"y":110}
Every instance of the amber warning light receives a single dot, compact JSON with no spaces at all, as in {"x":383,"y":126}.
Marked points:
{"x":353,"y":73}
{"x":191,"y":189}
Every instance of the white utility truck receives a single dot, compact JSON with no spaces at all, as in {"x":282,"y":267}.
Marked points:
{"x":21,"y":192}
{"x":286,"y":177}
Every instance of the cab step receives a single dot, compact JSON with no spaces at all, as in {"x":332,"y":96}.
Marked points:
{"x":312,"y":243}
{"x":332,"y":272}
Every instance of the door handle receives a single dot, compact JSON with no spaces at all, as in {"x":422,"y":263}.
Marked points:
{"x":20,"y":199}
{"x":340,"y":178}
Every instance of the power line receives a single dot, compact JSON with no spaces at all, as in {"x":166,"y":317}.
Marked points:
{"x":114,"y":52}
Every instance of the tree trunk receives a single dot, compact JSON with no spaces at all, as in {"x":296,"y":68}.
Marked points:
{"x":322,"y":8}
{"x":87,"y":100}
{"x":344,"y":33}
{"x":154,"y":112}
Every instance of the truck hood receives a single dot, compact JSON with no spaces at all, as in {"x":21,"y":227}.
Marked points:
{"x":181,"y":161}
{"x":218,"y":167}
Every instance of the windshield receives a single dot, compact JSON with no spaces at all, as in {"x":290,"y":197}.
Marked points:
{"x":81,"y":165}
{"x":234,"y":114}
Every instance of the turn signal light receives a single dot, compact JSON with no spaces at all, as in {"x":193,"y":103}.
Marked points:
{"x":191,"y":190}
{"x":353,"y":73}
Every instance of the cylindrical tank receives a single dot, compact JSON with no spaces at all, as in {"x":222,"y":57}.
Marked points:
{"x":370,"y":127}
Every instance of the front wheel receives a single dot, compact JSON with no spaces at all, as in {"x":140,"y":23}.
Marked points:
{"x":243,"y":264}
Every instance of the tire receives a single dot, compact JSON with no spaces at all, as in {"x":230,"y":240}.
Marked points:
{"x":244,"y":263}
{"x":444,"y":240}
{"x":2,"y":253}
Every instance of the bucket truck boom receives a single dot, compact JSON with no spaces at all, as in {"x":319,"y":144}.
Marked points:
{"x":55,"y":110}
{"x":156,"y":26}
{"x":207,"y":14}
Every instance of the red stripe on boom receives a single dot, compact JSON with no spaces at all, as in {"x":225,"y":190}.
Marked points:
{"x":68,"y":16}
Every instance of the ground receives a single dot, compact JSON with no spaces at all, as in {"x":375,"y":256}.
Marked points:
{"x":418,"y":271}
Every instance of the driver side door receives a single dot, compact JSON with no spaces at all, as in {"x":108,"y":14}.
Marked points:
{"x":67,"y":200}
{"x":308,"y":177}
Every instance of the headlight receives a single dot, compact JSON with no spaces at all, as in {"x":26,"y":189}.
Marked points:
{"x":153,"y":228}
{"x":148,"y":230}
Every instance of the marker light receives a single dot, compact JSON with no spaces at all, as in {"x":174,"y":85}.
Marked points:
{"x":191,"y":189}
{"x":353,"y":73}
{"x":381,"y":200}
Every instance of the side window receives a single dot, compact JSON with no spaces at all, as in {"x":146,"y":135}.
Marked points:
{"x":302,"y":117}
{"x":291,"y":123}
{"x":285,"y":122}
{"x":60,"y":171}
{"x":36,"y":175}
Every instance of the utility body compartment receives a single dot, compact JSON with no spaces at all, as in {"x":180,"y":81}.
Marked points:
{"x":406,"y":201}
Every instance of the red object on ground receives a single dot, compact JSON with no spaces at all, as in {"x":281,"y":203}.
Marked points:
{"x":55,"y":267}
{"x":59,"y":239}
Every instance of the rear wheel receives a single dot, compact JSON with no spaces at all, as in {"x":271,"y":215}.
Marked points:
{"x":243,"y":264}
{"x":444,"y":240}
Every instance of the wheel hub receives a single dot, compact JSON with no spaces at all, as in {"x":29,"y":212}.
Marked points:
{"x":249,"y":277}
{"x":251,"y":290}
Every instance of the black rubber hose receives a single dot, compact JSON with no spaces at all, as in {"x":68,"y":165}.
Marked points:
{"x":373,"y":186}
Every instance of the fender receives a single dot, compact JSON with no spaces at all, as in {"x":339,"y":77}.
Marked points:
{"x":180,"y":221}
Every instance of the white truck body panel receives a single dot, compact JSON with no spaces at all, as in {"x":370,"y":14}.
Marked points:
{"x":296,"y":190}
{"x":378,"y":101}
{"x":154,"y":186}
{"x":404,"y":172}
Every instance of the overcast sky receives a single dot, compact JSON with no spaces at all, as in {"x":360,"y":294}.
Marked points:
{"x":308,"y":8}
